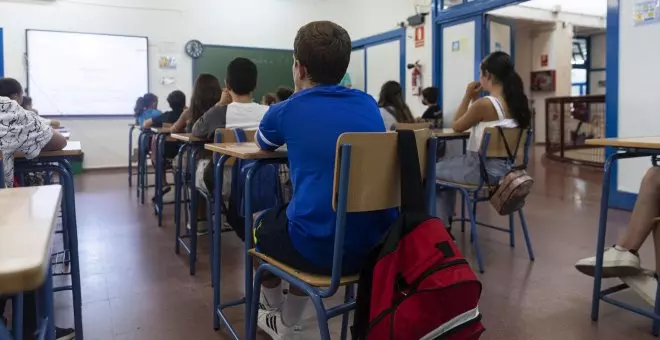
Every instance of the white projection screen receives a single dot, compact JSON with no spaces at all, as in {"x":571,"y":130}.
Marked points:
{"x":81,"y":74}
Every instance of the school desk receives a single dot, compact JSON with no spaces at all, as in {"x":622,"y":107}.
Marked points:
{"x":626,"y":148}
{"x":26,"y":231}
{"x":162,"y":136}
{"x":144,"y":140}
{"x":243,"y":151}
{"x":190,"y":148}
{"x":56,"y":161}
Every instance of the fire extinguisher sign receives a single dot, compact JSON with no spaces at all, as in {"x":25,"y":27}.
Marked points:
{"x":419,"y":36}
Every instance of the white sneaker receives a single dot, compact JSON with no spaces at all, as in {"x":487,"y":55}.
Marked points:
{"x":645,"y":285}
{"x":616,"y":263}
{"x":265,"y":305}
{"x":271,"y":323}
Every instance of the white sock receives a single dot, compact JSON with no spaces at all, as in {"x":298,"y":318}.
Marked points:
{"x":273,"y":296}
{"x":619,"y":248}
{"x":293,"y":309}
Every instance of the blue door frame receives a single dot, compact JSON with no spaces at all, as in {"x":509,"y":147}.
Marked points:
{"x":378,"y":39}
{"x":2,"y":54}
{"x":510,"y":23}
{"x":618,"y":199}
{"x":478,"y":50}
{"x":459,"y":14}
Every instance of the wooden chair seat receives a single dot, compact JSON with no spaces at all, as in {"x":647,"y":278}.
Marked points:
{"x":310,"y":279}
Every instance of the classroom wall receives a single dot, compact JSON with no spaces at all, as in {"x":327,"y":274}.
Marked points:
{"x":169,"y":24}
{"x":591,"y":7}
{"x":637,"y":99}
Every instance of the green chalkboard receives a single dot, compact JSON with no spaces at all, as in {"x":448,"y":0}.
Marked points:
{"x":273,"y":66}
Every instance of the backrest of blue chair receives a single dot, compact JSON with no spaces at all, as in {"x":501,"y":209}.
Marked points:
{"x":493,"y":143}
{"x":225,"y":136}
{"x":374,"y":181}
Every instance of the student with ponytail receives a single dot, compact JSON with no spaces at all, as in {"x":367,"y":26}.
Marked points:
{"x":506,"y":106}
{"x":393,"y":108}
{"x":146,"y":107}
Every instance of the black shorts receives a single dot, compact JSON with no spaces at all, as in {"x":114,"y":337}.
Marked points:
{"x":271,"y":234}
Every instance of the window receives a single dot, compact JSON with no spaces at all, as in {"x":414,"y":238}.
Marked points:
{"x":580,"y":52}
{"x":450,"y":3}
{"x":580,"y":69}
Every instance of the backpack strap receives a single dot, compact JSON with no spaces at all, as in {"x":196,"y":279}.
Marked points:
{"x":412,"y":190}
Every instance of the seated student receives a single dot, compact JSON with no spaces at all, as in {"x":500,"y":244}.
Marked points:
{"x":242,"y":112}
{"x":302,"y":234}
{"x":622,"y":259}
{"x":177,"y":101}
{"x":146,"y":108}
{"x":430,"y":99}
{"x":13,"y":90}
{"x":283,"y":93}
{"x":268,"y":99}
{"x":24,"y":131}
{"x":506,"y":106}
{"x":207,"y":92}
{"x":393,"y":108}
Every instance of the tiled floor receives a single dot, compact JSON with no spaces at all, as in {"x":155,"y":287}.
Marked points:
{"x":135,"y":287}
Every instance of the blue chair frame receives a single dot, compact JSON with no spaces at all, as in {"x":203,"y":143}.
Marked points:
{"x":471,"y":196}
{"x":317,"y":294}
{"x":130,"y":153}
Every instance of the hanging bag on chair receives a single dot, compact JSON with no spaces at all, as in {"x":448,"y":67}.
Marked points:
{"x":509,"y":194}
{"x":416,"y":284}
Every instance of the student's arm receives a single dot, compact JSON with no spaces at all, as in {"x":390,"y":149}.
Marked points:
{"x":269,"y":136}
{"x":476,"y":113}
{"x":471,"y":94}
{"x":180,"y":125}
{"x":57,"y":142}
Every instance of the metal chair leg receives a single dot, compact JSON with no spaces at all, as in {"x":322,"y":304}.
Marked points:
{"x":321,"y":316}
{"x":473,"y":233}
{"x":512,"y":234}
{"x":523,"y":222}
{"x":348,"y":296}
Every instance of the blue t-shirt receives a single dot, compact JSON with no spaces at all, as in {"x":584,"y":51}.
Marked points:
{"x":151,"y":113}
{"x":310,"y":123}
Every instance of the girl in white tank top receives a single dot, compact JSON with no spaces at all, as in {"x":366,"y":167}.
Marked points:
{"x":475,"y":114}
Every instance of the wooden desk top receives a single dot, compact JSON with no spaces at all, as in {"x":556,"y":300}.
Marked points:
{"x":247,"y":150}
{"x":449,"y":132}
{"x":186,"y":137}
{"x":630,"y":142}
{"x":72,"y":148}
{"x":26,"y":229}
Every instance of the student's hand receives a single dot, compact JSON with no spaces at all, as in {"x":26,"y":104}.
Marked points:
{"x":473,"y":89}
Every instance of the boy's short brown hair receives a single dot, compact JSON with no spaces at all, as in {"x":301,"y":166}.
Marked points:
{"x":324,"y":48}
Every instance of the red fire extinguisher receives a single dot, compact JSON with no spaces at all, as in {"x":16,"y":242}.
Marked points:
{"x":416,"y":78}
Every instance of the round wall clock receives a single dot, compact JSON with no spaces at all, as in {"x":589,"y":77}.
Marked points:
{"x":194,"y":49}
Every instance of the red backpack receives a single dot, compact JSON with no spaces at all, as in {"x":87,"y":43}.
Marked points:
{"x":416,"y":284}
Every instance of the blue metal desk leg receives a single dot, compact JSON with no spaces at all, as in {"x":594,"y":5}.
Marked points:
{"x":248,"y":241}
{"x":130,"y":153}
{"x":145,"y":172}
{"x":17,"y":316}
{"x":218,"y":173}
{"x":602,"y":226}
{"x":67,"y":176}
{"x":139,"y":163}
{"x":178,"y":186}
{"x":194,"y":201}
{"x":45,"y":295}
{"x":160,"y":174}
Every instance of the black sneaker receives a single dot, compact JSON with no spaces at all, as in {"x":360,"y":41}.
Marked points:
{"x":64,"y":333}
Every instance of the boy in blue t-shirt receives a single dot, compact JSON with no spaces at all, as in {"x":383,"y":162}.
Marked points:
{"x":301,"y":234}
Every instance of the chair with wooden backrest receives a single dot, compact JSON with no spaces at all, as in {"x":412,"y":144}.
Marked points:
{"x":493,"y":146}
{"x":367,"y":178}
{"x":412,"y":126}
